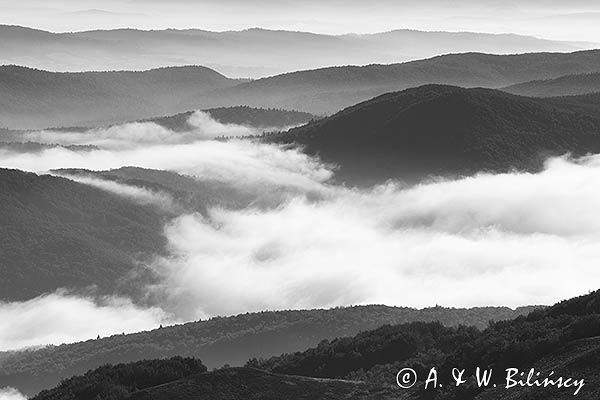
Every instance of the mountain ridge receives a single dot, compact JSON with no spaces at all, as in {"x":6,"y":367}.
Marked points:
{"x":393,"y":136}
{"x":37,"y":99}
{"x":568,"y":85}
{"x":262,"y":51}
{"x":329,"y":89}
{"x":563,"y":338}
{"x":225,"y":340}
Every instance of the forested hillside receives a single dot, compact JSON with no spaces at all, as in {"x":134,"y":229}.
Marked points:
{"x":35,"y":99}
{"x":40,"y":99}
{"x":328,"y":90}
{"x":57,"y":233}
{"x":118,"y":381}
{"x":231,"y":340}
{"x":562,"y":338}
{"x":192,"y":194}
{"x":447,"y":130}
{"x":568,"y":85}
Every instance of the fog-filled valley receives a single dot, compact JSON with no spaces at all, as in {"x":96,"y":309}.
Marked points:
{"x":252,"y":209}
{"x":230,"y":229}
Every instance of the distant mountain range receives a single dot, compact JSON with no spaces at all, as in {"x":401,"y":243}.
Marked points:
{"x":249,"y":53}
{"x":38,"y":99}
{"x":559,"y":341}
{"x":447,"y":130}
{"x":328,"y":90}
{"x":568,"y":85}
{"x":231,"y":340}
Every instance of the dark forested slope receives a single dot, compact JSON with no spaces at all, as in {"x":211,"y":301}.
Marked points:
{"x":562,"y":338}
{"x":118,"y":381}
{"x":222,"y":384}
{"x":190,"y":193}
{"x":231,"y":340}
{"x":446,"y":130}
{"x":56,"y":233}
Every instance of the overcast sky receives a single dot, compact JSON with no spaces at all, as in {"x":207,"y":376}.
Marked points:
{"x":568,"y":20}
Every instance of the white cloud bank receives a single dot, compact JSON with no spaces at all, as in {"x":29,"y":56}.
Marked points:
{"x":509,"y":239}
{"x":136,"y":134}
{"x":237,"y":161}
{"x":140,"y":195}
{"x":63,"y":318}
{"x":9,"y":393}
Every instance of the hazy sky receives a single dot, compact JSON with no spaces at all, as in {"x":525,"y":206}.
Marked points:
{"x":568,"y":20}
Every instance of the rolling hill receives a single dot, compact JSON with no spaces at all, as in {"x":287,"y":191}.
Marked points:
{"x":328,"y":90}
{"x":33,"y":99}
{"x":39,"y":99}
{"x":230,"y":340}
{"x":57,"y":233}
{"x":246,"y":383}
{"x":258,"y":118}
{"x":192,"y":194}
{"x":108,"y":382}
{"x":568,"y":85}
{"x":223,"y":384}
{"x":248,"y":53}
{"x":563,"y":338}
{"x":446,"y":130}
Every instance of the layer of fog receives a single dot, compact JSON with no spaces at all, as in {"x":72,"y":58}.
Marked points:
{"x":63,"y":318}
{"x":505,"y":239}
{"x":9,"y":393}
{"x":508,"y":239}
{"x":149,"y":145}
{"x":139,"y":195}
{"x":135,"y":134}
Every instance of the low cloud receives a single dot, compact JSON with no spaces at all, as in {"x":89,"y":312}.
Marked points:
{"x":9,"y":393}
{"x":507,"y":239}
{"x":238,"y":161}
{"x":136,"y":134}
{"x":207,"y":127}
{"x":139,"y":195}
{"x":63,"y":318}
